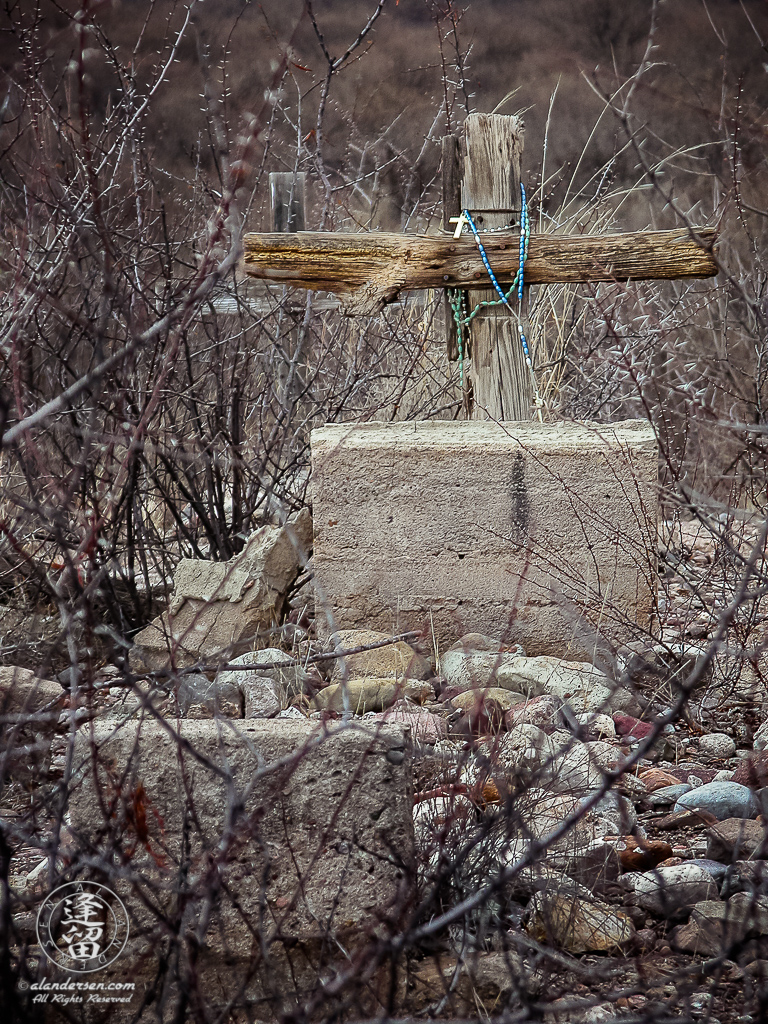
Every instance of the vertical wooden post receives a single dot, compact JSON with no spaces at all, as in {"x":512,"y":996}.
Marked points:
{"x":287,"y":198}
{"x":287,"y":202}
{"x":501,"y":382}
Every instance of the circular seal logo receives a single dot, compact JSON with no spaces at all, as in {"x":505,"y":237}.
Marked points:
{"x":82,"y":927}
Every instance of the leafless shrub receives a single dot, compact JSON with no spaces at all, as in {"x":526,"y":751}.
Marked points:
{"x":154,"y":406}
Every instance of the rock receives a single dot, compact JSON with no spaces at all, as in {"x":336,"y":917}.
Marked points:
{"x":724,"y":776}
{"x":715,"y":868}
{"x":576,"y":771}
{"x":288,"y":676}
{"x":478,"y":642}
{"x":586,"y":857}
{"x":469,"y":699}
{"x":657,"y":778}
{"x":540,"y":711}
{"x":596,"y":726}
{"x":481,"y":719}
{"x":760,"y":741}
{"x":582,"y":852}
{"x":222,"y":697}
{"x":259,"y":682}
{"x":684,"y":819}
{"x":669,"y":795}
{"x":577,"y":925}
{"x":753,"y":771}
{"x":491,"y":979}
{"x":221,"y":606}
{"x":440,"y":821}
{"x":541,"y":877}
{"x":522,"y":751}
{"x":643,"y":856}
{"x":722,"y":799}
{"x":468,"y":669}
{"x":617,"y":810}
{"x":624,"y":700}
{"x":666,"y":891}
{"x":646,"y":939}
{"x":715,"y":926}
{"x":605,"y":755}
{"x":398,"y":660}
{"x":716,"y":745}
{"x":425,"y":727}
{"x":631,"y":727}
{"x":632,"y":786}
{"x":24,"y":693}
{"x":584,"y":687}
{"x":736,"y":839}
{"x":370,"y":694}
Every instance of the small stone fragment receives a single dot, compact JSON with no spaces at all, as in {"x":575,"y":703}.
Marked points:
{"x":397,"y":659}
{"x":577,"y":925}
{"x":736,"y":839}
{"x":717,"y":745}
{"x":631,"y":727}
{"x":643,"y":856}
{"x":666,"y":891}
{"x":468,"y":699}
{"x":669,"y":795}
{"x":370,"y":694}
{"x":657,"y":778}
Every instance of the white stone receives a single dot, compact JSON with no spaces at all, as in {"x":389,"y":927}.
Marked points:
{"x":261,"y":692}
{"x":717,"y":745}
{"x":598,"y":727}
{"x":664,"y":891}
{"x":584,"y":687}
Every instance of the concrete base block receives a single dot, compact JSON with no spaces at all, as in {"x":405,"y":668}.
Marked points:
{"x":269,"y":846}
{"x":535,"y":533}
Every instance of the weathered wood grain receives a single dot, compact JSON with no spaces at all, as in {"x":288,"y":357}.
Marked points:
{"x":389,"y":263}
{"x":499,"y":382}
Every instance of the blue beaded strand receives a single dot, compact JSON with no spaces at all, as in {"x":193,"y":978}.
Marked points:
{"x":487,"y":265}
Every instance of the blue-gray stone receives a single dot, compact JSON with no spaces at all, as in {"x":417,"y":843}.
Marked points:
{"x":668,"y":794}
{"x":723,"y":799}
{"x":714,"y":867}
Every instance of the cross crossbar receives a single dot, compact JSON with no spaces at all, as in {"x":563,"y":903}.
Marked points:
{"x":373,"y":268}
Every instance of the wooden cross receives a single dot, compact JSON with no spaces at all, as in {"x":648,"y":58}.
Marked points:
{"x":373,"y":269}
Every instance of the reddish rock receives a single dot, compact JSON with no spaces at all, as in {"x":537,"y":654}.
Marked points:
{"x":632,"y":728}
{"x":753,"y":771}
{"x":657,"y":778}
{"x":682,"y":819}
{"x":642,"y":856}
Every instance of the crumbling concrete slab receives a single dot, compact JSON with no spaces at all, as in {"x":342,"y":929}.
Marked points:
{"x":526,"y":531}
{"x":220,"y":606}
{"x":278,"y":838}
